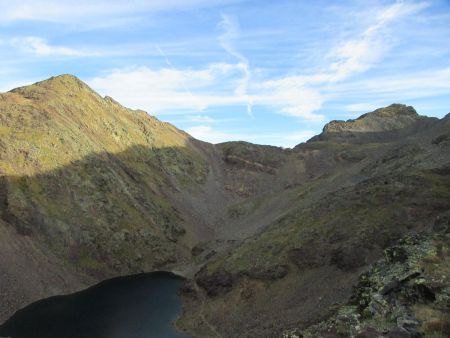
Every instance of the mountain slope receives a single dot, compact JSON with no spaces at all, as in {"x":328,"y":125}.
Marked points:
{"x":363,"y":197}
{"x":88,"y":180}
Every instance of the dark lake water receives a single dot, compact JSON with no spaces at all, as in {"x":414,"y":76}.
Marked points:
{"x":138,"y":306}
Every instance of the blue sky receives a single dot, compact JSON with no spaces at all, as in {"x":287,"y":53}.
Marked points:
{"x":269,"y":72}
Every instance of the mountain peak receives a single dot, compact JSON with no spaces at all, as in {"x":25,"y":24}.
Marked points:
{"x":393,"y":111}
{"x":393,"y":118}
{"x":62,"y":85}
{"x":64,"y":82}
{"x":67,"y":79}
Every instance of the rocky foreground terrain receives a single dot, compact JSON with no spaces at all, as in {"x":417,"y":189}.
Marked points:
{"x":344,"y":235}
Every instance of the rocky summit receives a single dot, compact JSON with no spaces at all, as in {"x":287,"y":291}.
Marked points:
{"x":346,"y":235}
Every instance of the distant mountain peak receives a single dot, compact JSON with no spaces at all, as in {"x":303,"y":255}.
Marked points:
{"x":394,"y":118}
{"x":392,"y":111}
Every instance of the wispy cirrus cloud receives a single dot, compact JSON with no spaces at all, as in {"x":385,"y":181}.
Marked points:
{"x":230,"y":28}
{"x":379,"y":91}
{"x":360,"y":54}
{"x":68,"y":11}
{"x":300,"y":96}
{"x":303,"y":95}
{"x":417,"y":84}
{"x":41,"y":47}
{"x":164,"y":91}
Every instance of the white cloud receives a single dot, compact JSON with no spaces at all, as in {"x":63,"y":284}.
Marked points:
{"x":231,"y":31}
{"x":77,"y":11}
{"x":415,"y":85}
{"x":358,"y":55}
{"x":164,"y":90}
{"x":302,"y":95}
{"x":208,"y":134}
{"x":54,"y":11}
{"x":202,"y":119}
{"x":7,"y":86}
{"x":292,"y":98}
{"x":230,"y":84}
{"x":287,"y":140}
{"x":418,"y":84}
{"x":40,"y":47}
{"x":361,"y":107}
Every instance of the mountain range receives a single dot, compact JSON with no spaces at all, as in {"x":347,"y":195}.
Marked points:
{"x":272,"y":242}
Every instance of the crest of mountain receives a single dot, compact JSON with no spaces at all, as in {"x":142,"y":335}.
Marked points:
{"x":90,"y":190}
{"x":394,"y":121}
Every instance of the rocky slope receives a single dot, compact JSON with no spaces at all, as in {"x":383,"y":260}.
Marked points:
{"x":90,"y":190}
{"x":351,"y":197}
{"x":406,"y":294}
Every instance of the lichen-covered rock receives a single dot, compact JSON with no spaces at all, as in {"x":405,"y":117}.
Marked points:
{"x":404,"y":295}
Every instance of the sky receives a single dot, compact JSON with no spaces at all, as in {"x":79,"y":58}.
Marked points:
{"x":267,"y":72}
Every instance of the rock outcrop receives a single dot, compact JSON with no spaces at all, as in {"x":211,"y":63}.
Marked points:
{"x":406,"y":294}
